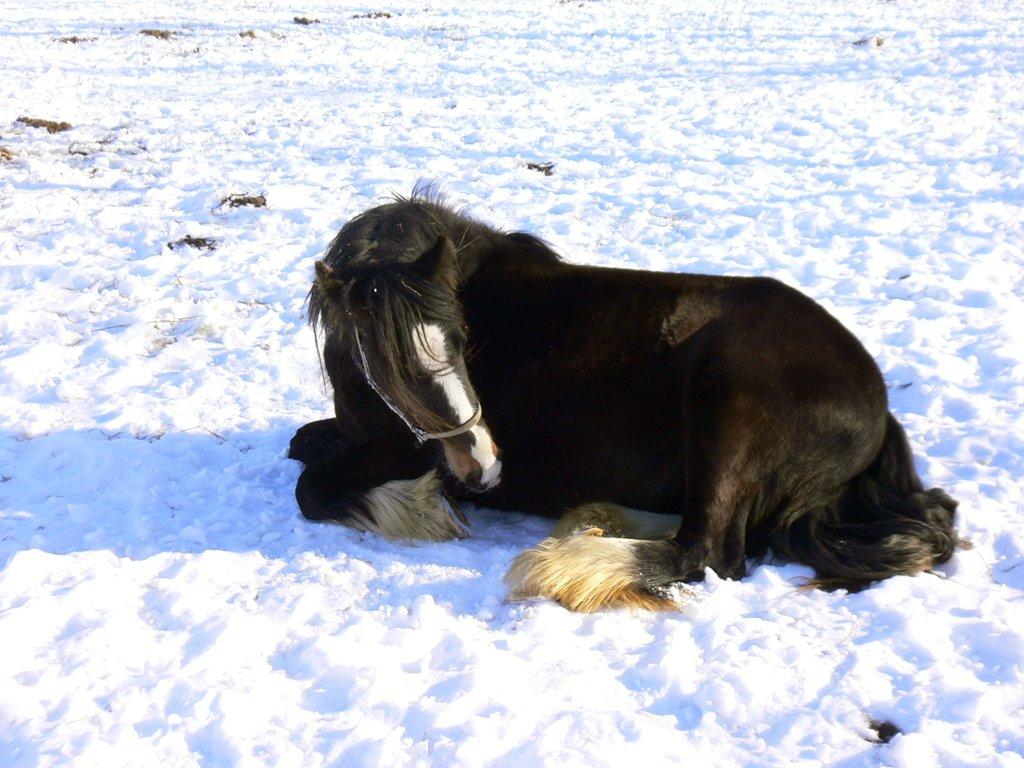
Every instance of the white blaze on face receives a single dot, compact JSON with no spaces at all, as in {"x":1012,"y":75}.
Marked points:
{"x":433,"y":356}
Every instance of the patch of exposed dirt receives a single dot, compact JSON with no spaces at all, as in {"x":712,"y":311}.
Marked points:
{"x":51,"y":126}
{"x":305,"y":20}
{"x":884,"y":730}
{"x":159,"y":34}
{"x":548,"y":169}
{"x":207,"y":243}
{"x":237,"y":201}
{"x":373,"y":15}
{"x":74,"y":39}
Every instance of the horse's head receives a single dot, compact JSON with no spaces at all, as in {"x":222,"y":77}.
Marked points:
{"x":407,"y":335}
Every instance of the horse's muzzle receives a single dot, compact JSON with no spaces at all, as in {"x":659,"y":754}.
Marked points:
{"x":478,"y":470}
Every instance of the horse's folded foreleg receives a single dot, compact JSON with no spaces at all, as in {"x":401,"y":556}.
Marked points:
{"x":383,"y":488}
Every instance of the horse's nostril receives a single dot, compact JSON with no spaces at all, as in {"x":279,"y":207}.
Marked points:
{"x":473,"y":478}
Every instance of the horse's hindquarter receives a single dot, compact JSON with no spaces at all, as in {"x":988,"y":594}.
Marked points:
{"x":777,"y":384}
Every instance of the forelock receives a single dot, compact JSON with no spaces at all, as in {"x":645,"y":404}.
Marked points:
{"x":399,"y":304}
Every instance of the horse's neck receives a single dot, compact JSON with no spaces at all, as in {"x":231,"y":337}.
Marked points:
{"x":515,"y":297}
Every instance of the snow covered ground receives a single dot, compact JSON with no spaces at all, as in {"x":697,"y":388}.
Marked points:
{"x":161,"y":600}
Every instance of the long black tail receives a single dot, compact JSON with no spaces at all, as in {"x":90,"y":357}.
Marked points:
{"x":884,"y":524}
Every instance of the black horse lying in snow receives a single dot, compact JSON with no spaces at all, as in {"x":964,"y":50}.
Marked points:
{"x":675,"y":421}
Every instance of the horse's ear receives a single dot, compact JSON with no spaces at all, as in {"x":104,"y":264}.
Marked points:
{"x":438,"y":261}
{"x":323,"y":272}
{"x":327,"y":282}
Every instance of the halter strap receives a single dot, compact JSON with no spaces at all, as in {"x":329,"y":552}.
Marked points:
{"x":421,"y":434}
{"x":465,"y":427}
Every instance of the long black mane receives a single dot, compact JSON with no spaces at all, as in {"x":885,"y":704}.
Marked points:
{"x":396,"y":233}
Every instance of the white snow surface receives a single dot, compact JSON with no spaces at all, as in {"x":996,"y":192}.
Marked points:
{"x":163,"y":603}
